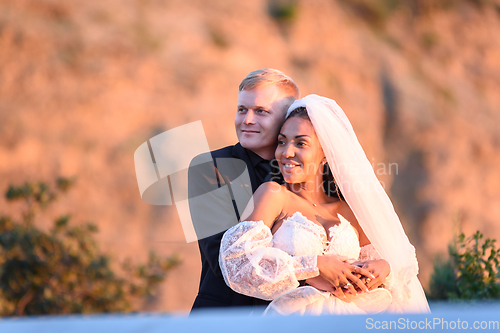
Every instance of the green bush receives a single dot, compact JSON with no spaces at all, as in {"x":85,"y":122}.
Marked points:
{"x":471,"y":272}
{"x":62,"y":270}
{"x":443,"y":284}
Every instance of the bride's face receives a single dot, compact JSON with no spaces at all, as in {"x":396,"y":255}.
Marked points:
{"x":299,"y":153}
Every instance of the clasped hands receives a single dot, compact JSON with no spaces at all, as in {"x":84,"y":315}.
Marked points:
{"x":341,"y":276}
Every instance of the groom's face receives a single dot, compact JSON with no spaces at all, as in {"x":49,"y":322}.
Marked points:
{"x":261,"y":112}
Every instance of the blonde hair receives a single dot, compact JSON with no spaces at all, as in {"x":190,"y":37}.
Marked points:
{"x":269,"y":76}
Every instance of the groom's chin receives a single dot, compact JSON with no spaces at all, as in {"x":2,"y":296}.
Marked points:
{"x":250,"y":143}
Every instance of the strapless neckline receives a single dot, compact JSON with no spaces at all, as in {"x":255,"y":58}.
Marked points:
{"x":318,"y":227}
{"x":298,"y":235}
{"x":303,"y":219}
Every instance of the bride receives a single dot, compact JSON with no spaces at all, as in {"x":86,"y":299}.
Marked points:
{"x":314,"y":253}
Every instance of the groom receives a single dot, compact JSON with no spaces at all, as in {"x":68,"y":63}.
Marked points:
{"x":263,"y":99}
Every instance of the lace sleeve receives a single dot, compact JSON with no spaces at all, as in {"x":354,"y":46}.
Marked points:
{"x":251,"y":266}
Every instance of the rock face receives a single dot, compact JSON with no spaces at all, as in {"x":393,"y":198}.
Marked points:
{"x":83,"y":84}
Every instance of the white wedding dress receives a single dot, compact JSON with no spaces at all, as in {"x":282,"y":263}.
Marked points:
{"x":256,"y":263}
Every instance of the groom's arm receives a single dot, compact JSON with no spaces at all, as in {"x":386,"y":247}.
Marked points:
{"x":212,"y":209}
{"x":209,"y":249}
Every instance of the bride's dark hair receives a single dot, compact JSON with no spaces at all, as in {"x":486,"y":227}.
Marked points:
{"x":329,"y":186}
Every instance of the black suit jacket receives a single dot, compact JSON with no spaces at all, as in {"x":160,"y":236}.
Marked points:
{"x":213,"y":213}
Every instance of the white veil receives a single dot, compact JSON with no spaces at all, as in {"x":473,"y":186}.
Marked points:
{"x":367,"y":199}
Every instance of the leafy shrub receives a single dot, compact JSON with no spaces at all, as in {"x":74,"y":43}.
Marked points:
{"x":443,"y":280}
{"x":62,"y":270}
{"x":471,"y":272}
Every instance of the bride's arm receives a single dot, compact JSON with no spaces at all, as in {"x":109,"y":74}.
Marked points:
{"x":249,"y":263}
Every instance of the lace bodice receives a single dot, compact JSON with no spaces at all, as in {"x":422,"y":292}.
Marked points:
{"x":300,"y":236}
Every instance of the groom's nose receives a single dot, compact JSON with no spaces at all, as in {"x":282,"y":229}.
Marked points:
{"x":249,"y":117}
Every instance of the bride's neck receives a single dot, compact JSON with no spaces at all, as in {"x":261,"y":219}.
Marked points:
{"x":310,"y":191}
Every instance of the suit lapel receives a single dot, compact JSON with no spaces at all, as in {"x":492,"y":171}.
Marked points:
{"x":240,"y":152}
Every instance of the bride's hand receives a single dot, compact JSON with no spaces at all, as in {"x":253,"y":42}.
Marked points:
{"x":379,"y":268}
{"x":340,"y":274}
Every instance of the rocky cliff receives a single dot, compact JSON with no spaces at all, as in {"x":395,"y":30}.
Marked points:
{"x":83,"y":84}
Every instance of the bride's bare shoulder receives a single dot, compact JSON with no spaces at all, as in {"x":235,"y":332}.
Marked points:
{"x":271,"y":191}
{"x":272,"y":186}
{"x":267,"y":203}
